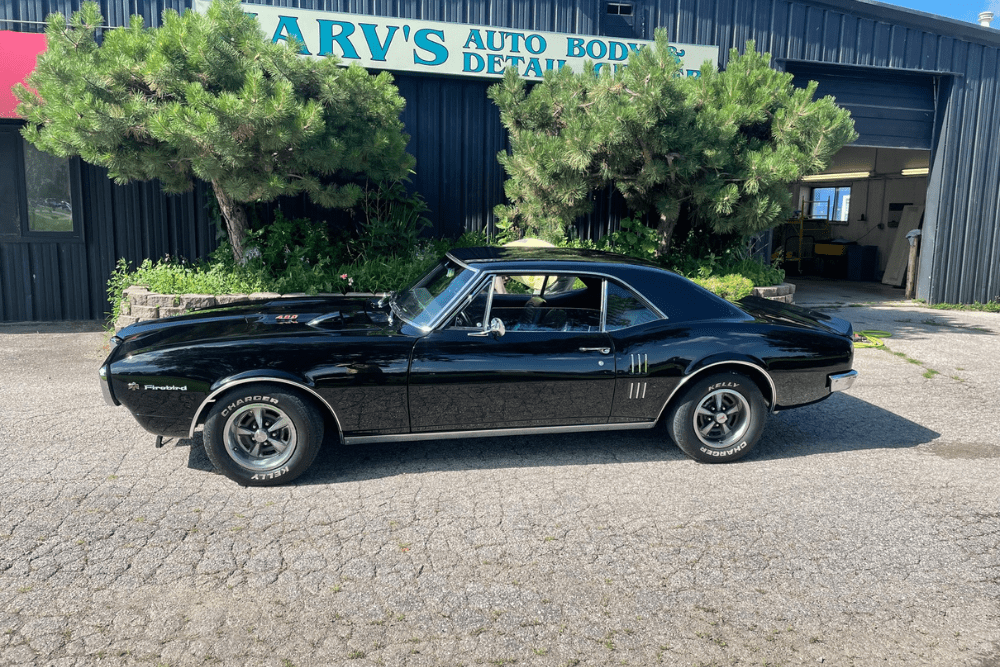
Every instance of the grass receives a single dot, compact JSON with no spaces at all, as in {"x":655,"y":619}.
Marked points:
{"x":988,"y":307}
{"x":50,"y":221}
{"x":928,"y":372}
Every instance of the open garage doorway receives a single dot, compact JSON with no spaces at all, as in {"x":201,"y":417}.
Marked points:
{"x":848,"y":218}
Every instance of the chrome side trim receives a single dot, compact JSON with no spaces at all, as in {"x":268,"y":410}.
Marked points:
{"x":236,"y":383}
{"x":842,"y":381}
{"x":493,"y":432}
{"x":700,"y":371}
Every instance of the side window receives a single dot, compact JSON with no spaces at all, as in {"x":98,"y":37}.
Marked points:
{"x":625,"y":309}
{"x":473,"y":314}
{"x":547,"y":302}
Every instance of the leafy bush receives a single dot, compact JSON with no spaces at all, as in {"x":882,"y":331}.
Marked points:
{"x":694,"y":259}
{"x":732,"y":287}
{"x":216,"y":275}
{"x":303,"y":270}
{"x":393,"y":221}
{"x":633,"y":238}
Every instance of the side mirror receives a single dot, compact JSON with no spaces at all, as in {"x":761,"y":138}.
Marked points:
{"x":496,"y":327}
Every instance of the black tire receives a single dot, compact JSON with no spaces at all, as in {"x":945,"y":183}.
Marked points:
{"x":243,"y":444}
{"x":719,"y":418}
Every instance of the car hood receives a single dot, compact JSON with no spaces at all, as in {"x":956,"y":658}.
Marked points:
{"x":795,"y":316}
{"x":262,"y":318}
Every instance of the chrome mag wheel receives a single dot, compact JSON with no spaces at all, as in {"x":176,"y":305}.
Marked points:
{"x":260,"y":437}
{"x":722,"y":418}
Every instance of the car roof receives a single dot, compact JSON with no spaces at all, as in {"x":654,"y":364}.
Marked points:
{"x":516,"y":254}
{"x":678,"y":298}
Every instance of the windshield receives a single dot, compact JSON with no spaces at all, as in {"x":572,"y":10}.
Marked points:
{"x":421,"y":303}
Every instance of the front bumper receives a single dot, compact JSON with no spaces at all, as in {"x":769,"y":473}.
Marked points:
{"x":842,"y":381}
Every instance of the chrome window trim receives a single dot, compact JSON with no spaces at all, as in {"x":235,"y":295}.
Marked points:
{"x":493,"y":432}
{"x":489,"y":302}
{"x":649,"y":304}
{"x":700,"y":371}
{"x":236,"y":383}
{"x":604,"y":305}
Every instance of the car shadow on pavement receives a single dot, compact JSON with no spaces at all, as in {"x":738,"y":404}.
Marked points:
{"x":839,"y":424}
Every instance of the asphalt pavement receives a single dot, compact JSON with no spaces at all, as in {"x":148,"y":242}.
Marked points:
{"x":862,"y":530}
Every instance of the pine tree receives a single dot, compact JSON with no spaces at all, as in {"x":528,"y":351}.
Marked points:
{"x":207,"y":96}
{"x":719,"y":150}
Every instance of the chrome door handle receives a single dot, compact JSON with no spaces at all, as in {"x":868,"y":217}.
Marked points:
{"x":602,"y":350}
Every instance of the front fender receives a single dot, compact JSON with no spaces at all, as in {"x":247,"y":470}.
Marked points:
{"x":260,"y":376}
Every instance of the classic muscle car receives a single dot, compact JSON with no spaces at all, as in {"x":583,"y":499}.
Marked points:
{"x":492,"y":341}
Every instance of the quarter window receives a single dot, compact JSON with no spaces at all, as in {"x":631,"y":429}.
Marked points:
{"x":625,"y":309}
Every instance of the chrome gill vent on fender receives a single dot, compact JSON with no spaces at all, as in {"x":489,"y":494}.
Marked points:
{"x":637,"y":390}
{"x":639,"y":364}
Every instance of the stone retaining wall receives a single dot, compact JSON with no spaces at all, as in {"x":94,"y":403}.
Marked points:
{"x":141,"y":304}
{"x":785,"y":292}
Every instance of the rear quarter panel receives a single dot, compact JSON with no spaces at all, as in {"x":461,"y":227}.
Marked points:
{"x":652,"y":361}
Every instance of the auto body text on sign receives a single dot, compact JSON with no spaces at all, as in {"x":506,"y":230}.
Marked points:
{"x":406,"y":45}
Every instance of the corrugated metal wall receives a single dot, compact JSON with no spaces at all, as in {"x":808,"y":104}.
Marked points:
{"x":456,"y":134}
{"x":48,"y":280}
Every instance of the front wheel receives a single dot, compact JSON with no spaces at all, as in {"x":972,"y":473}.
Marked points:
{"x":259,"y":435}
{"x":719,"y":418}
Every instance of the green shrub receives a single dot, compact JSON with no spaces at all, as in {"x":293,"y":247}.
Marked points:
{"x":216,"y":275}
{"x":302,"y":268}
{"x":393,"y":222}
{"x":732,"y":287}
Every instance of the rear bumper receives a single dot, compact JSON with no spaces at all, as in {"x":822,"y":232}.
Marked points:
{"x":106,"y":387}
{"x":842,"y":381}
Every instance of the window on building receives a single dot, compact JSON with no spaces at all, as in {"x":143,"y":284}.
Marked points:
{"x":50,"y":207}
{"x":831,"y":203}
{"x":36,"y":191}
{"x":10,"y":184}
{"x":619,"y":9}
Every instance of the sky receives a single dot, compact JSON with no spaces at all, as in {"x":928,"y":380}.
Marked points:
{"x":962,"y":10}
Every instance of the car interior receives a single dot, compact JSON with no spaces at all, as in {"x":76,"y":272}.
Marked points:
{"x":552,"y":303}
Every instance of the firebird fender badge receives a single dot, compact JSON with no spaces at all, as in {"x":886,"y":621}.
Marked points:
{"x":133,"y":386}
{"x":171,"y":387}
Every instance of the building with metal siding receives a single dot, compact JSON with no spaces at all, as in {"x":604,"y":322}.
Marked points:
{"x":914,"y":81}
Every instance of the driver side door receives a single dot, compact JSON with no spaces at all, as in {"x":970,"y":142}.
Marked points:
{"x":552,"y":366}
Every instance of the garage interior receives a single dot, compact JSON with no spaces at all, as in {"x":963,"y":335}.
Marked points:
{"x":851,"y":217}
{"x":848,"y":218}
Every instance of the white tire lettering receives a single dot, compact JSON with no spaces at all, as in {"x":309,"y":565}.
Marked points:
{"x":248,"y":399}
{"x":270,"y":475}
{"x":724,"y":452}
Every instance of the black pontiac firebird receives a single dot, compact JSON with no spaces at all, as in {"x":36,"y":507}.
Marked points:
{"x":492,"y":341}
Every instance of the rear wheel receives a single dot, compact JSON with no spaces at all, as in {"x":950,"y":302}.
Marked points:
{"x":719,"y":418}
{"x":260,"y":435}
